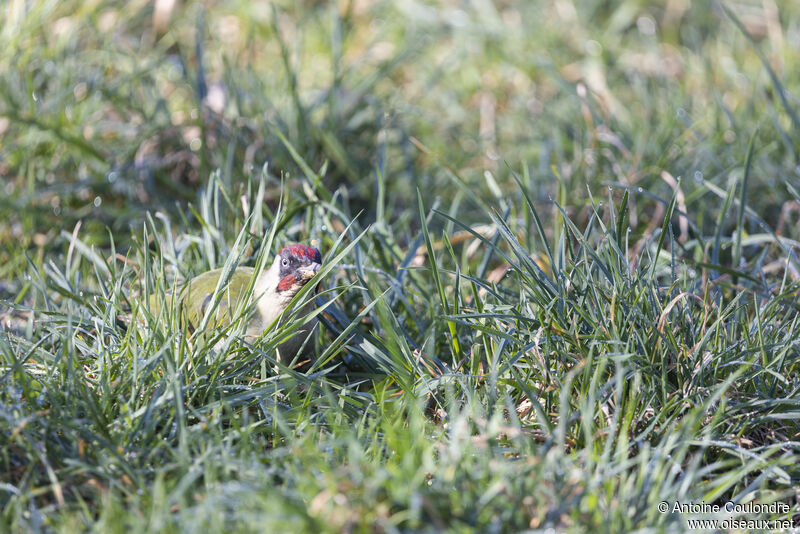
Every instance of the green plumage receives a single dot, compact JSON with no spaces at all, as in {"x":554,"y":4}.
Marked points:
{"x":197,"y":296}
{"x":272,"y":294}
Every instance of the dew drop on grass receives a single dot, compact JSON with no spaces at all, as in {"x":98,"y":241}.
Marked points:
{"x":646,"y":26}
{"x":698,"y":177}
{"x":112,"y":177}
{"x":639,"y":189}
{"x":97,"y":202}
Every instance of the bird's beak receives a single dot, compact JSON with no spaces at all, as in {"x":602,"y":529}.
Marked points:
{"x":307,"y":273}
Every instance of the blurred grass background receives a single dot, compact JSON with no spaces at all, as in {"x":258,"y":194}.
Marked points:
{"x":111,"y":108}
{"x":477,"y":391}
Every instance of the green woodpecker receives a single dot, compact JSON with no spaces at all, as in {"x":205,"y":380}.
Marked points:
{"x":293,"y":268}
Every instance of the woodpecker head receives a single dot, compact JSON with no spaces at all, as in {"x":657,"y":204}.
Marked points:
{"x":296,"y":265}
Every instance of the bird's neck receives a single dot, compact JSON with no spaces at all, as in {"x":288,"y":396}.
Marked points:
{"x":266,"y":283}
{"x":269,"y":302}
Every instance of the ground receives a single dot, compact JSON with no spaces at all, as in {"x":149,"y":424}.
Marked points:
{"x":561,"y":264}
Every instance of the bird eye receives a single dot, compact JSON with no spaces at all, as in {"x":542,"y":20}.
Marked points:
{"x":285,"y":262}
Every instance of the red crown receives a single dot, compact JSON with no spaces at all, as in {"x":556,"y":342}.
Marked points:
{"x":304,"y":252}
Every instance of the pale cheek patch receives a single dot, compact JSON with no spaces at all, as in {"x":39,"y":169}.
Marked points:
{"x":286,"y":282}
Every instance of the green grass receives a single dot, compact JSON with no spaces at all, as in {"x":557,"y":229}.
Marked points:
{"x":561,"y":246}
